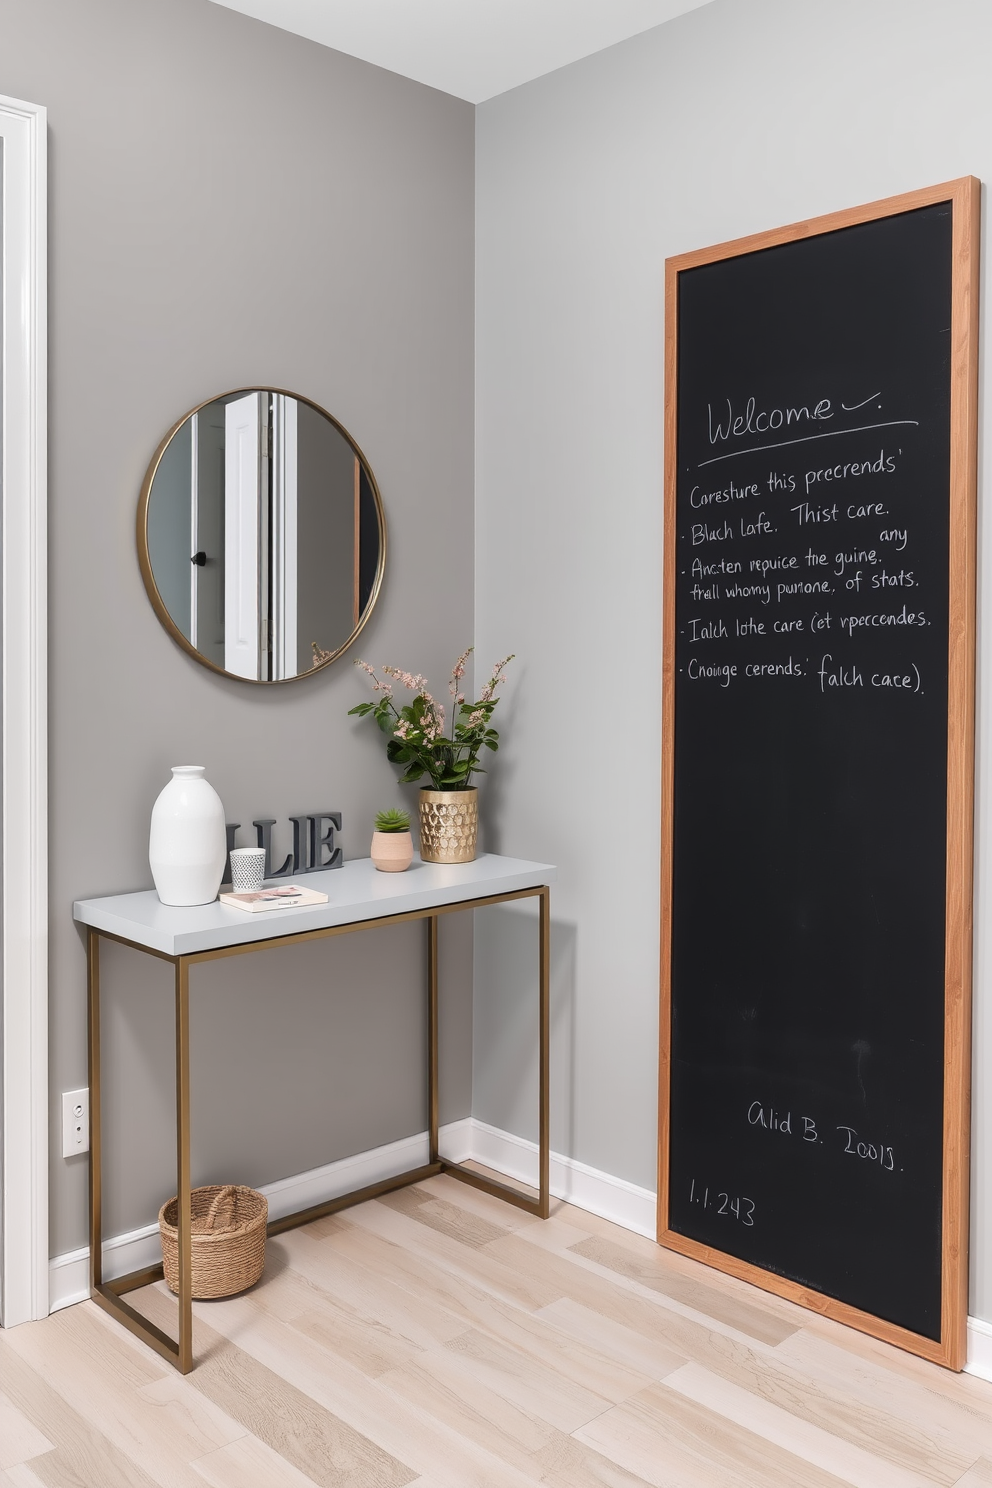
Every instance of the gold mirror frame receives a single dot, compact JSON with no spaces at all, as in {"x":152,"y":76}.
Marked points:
{"x":144,"y":557}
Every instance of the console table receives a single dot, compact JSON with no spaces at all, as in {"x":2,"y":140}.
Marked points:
{"x":359,"y":898}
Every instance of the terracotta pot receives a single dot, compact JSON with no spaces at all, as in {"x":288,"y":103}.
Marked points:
{"x":392,"y":852}
{"x":449,"y":825}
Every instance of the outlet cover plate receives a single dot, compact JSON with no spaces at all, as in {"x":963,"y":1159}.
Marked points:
{"x":75,"y":1122}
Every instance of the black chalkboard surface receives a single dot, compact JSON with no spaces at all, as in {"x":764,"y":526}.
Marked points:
{"x":812,"y":1083}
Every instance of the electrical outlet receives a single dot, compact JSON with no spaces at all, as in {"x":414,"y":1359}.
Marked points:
{"x":75,"y":1122}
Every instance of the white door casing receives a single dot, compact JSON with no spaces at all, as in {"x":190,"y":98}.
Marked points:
{"x":241,"y":493}
{"x":284,"y":548}
{"x":24,"y":716}
{"x":194,"y":523}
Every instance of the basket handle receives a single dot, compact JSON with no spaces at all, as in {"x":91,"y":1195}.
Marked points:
{"x":224,"y":1200}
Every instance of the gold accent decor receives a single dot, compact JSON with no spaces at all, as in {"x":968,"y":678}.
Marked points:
{"x":449,"y":825}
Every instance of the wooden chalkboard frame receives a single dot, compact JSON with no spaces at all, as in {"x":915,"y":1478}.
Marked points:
{"x":965,"y":196}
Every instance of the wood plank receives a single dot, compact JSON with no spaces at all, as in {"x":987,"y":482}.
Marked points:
{"x":635,"y":1350}
{"x":20,"y":1476}
{"x":83,"y":1456}
{"x":85,"y":1364}
{"x":446,"y":1218}
{"x":850,"y":1416}
{"x":187,"y":1414}
{"x":895,"y":1362}
{"x":979,"y":1475}
{"x":373,"y":1292}
{"x":475,"y":1201}
{"x":309,"y":1437}
{"x":573,"y":1275}
{"x":774,"y":1424}
{"x":20,"y":1439}
{"x":958,"y":1422}
{"x":440,"y":1386}
{"x":591,"y":1368}
{"x":409,"y":1435}
{"x":670,"y":1440}
{"x":477,"y":1266}
{"x":510,"y":1373}
{"x":651,"y":1272}
{"x":250,"y":1463}
{"x":567,"y":1463}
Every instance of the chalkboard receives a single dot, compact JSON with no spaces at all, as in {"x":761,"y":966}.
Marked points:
{"x":819,"y":665}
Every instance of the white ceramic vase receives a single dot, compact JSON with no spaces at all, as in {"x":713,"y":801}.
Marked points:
{"x":187,"y":847}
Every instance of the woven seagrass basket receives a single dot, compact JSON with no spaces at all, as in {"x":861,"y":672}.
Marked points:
{"x":227,"y":1239}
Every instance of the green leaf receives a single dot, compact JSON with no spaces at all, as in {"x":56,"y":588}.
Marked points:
{"x":399,"y":754}
{"x":392,"y":820}
{"x":362,"y":709}
{"x":491,"y":744}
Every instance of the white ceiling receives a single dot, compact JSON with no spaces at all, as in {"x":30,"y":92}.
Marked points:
{"x":472,"y":48}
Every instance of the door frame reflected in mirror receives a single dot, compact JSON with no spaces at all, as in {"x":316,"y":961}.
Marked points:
{"x":144,"y":556}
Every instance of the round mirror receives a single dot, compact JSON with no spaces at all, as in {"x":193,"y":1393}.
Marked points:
{"x":261,"y":535}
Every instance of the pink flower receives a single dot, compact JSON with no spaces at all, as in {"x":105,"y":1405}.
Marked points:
{"x":415,"y":684}
{"x":494,"y":681}
{"x":377,"y":686}
{"x":458,"y":671}
{"x":433,"y":715}
{"x":476,"y":717}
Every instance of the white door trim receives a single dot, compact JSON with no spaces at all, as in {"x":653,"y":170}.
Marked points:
{"x":24,"y":721}
{"x":241,"y":524}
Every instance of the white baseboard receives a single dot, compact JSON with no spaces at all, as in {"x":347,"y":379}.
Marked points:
{"x":587,"y":1188}
{"x":460,"y":1141}
{"x":979,"y":1348}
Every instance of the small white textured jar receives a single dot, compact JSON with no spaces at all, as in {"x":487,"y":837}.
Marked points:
{"x":187,"y":846}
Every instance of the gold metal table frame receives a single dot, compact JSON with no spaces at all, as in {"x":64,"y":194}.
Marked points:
{"x":109,"y":1295}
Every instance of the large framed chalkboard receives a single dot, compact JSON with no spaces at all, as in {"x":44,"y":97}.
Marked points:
{"x":821,"y":424}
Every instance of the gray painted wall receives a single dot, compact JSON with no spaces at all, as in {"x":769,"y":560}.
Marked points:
{"x":232,"y":206}
{"x":740,"y":116}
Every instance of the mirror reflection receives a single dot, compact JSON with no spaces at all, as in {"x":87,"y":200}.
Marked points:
{"x":261,"y":535}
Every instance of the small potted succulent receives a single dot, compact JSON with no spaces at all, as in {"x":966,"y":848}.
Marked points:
{"x":392,"y":845}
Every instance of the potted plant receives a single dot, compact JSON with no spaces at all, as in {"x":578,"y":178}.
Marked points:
{"x":392,"y":844}
{"x":418,"y":740}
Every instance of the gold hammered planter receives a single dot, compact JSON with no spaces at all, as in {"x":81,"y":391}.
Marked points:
{"x":449,"y":825}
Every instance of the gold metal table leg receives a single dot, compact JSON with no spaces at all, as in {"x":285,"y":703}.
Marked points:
{"x":544,"y":1136}
{"x":541,"y":1206}
{"x":96,"y":1129}
{"x":106,"y":1295}
{"x":432,"y":1069}
{"x":182,"y":1168}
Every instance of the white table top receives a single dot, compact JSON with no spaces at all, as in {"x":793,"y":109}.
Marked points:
{"x":355,"y":891}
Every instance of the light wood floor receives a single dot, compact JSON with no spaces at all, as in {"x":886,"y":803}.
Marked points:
{"x":441,"y":1338}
